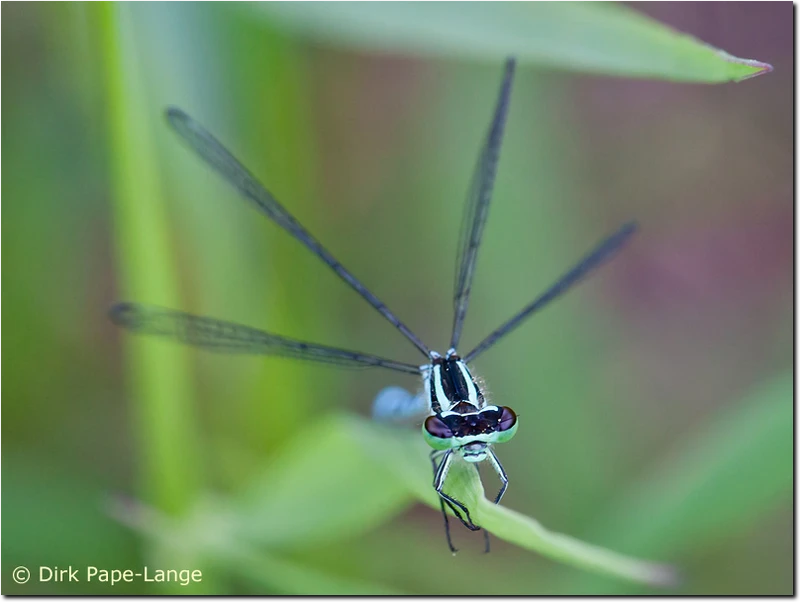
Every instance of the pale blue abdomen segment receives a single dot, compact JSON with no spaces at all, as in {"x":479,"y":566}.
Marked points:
{"x":395,"y":404}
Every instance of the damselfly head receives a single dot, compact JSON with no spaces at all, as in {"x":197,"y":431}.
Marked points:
{"x":470,"y":431}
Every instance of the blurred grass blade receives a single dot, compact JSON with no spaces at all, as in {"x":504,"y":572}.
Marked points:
{"x":591,"y":37}
{"x":320,"y":487}
{"x":158,"y":373}
{"x":407,"y":458}
{"x":204,"y":532}
{"x":286,"y":577}
{"x":530,"y":534}
{"x":53,"y":511}
{"x":160,"y":380}
{"x":371,"y":473}
{"x":722,"y":480}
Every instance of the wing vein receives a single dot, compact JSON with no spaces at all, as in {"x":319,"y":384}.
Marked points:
{"x":218,"y":157}
{"x":599,"y":255}
{"x":228,"y":337}
{"x":477,"y":207}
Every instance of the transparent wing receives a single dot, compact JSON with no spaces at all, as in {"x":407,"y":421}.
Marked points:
{"x":227,"y":337}
{"x":600,"y":254}
{"x":477,"y":206}
{"x":218,"y":157}
{"x":395,"y":404}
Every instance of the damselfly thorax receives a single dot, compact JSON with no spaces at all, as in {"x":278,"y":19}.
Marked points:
{"x":460,"y":420}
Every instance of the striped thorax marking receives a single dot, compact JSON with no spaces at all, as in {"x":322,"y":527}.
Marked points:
{"x":460,"y":420}
{"x":449,"y":382}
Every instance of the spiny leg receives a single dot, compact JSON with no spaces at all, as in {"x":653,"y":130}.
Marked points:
{"x":438,"y":484}
{"x":500,"y":473}
{"x":504,"y":479}
{"x":453,"y":549}
{"x":443,"y":501}
{"x":450,"y":545}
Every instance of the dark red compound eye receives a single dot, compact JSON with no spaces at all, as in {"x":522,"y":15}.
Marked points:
{"x":507,"y":419}
{"x":437,"y":428}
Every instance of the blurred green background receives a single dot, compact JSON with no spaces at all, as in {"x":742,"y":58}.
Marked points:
{"x":655,"y":400}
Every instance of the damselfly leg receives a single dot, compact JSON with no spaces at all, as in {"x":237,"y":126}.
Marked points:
{"x":500,"y":473}
{"x":439,"y":474}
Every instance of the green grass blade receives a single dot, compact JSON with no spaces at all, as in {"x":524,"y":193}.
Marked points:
{"x":204,"y":532}
{"x":530,"y":534}
{"x":51,"y":522}
{"x":287,"y":577}
{"x":577,"y":36}
{"x":159,"y":373}
{"x":372,"y":473}
{"x":160,"y":380}
{"x":720,"y":481}
{"x":407,"y":458}
{"x":319,"y":487}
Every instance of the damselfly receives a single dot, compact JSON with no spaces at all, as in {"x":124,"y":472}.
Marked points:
{"x":461,"y":424}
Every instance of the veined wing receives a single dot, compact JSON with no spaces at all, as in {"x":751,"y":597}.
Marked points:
{"x":477,"y":207}
{"x":599,"y":255}
{"x":218,"y":157}
{"x":227,"y":337}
